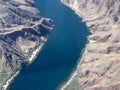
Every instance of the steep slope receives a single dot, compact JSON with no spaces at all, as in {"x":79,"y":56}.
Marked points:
{"x":22,"y":33}
{"x":99,"y":67}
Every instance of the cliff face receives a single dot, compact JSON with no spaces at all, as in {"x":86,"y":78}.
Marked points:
{"x":22,"y":30}
{"x":99,"y":67}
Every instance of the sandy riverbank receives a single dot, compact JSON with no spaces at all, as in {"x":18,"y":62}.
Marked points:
{"x":35,"y":52}
{"x":5,"y":86}
{"x":69,"y":81}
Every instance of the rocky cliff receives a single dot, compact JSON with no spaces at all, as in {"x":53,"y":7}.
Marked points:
{"x":22,"y":30}
{"x":99,"y":66}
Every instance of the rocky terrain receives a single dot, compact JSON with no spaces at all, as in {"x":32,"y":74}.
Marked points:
{"x":22,"y":31}
{"x":99,"y":66}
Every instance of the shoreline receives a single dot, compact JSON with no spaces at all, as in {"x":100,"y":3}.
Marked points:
{"x":31,"y":59}
{"x":36,"y":51}
{"x":9,"y":81}
{"x":80,"y":59}
{"x":74,"y":73}
{"x":69,"y":81}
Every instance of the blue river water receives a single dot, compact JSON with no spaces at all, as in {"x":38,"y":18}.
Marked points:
{"x":60,"y":53}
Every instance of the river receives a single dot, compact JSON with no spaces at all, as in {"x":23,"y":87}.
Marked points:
{"x":59,"y":56}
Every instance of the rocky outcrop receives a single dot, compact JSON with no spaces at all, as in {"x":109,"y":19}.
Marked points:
{"x":99,"y":67}
{"x":22,"y":30}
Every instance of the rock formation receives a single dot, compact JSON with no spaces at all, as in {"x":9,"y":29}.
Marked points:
{"x":22,"y":30}
{"x":99,"y":66}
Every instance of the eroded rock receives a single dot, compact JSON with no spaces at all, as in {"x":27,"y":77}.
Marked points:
{"x":22,"y":30}
{"x":99,"y":67}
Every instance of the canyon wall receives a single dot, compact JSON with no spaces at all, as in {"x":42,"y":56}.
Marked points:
{"x":99,"y":66}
